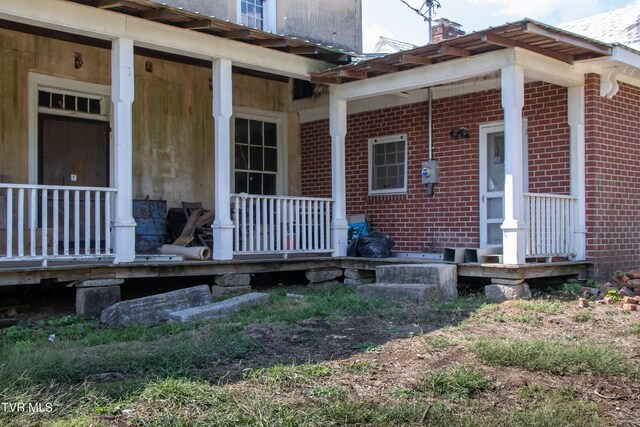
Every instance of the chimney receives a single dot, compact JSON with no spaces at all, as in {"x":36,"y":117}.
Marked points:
{"x":443,"y":29}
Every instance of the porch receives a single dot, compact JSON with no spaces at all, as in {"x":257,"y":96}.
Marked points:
{"x":66,"y":223}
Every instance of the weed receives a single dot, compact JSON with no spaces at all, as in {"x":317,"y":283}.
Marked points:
{"x":633,"y":329}
{"x":359,"y":367}
{"x":368,"y":347}
{"x":573,"y":288}
{"x":551,"y":356}
{"x":540,"y":306}
{"x":583,"y":317}
{"x":613,"y":295}
{"x":456,"y":383}
{"x":439,"y":342}
{"x":528,"y":318}
{"x":288,"y":375}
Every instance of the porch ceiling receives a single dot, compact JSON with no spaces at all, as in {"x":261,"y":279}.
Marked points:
{"x":527,"y":34}
{"x":194,"y":21}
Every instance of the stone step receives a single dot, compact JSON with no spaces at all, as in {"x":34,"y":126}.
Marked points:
{"x":154,"y":309}
{"x":413,"y":292}
{"x":219,"y":309}
{"x":443,"y":274}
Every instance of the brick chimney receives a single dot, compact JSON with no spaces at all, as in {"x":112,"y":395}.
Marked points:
{"x":443,"y":29}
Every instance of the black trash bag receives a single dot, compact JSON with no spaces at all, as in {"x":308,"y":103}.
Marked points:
{"x":372,"y":245}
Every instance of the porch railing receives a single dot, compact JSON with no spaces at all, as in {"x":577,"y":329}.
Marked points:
{"x":550,"y":225}
{"x":54,"y":222}
{"x":280,"y":224}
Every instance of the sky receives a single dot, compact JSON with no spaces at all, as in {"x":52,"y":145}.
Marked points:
{"x":392,"y":19}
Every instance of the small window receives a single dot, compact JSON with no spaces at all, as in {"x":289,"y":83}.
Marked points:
{"x":388,"y":164}
{"x":252,"y":13}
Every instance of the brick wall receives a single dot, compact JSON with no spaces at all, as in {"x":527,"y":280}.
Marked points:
{"x":613,"y":178}
{"x":450,"y":218}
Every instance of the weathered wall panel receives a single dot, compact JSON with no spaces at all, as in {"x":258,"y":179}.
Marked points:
{"x":173,"y":123}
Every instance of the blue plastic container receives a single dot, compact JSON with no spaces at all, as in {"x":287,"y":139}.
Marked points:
{"x":150,"y":217}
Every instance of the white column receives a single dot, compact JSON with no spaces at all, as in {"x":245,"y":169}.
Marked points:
{"x":513,"y":227}
{"x":222,"y":111}
{"x":338,"y":129}
{"x":122,"y":94}
{"x":577,"y":168}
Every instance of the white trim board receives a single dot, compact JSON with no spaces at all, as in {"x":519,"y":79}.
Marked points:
{"x":37,"y":81}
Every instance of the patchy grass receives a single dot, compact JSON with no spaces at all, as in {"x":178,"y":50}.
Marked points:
{"x":456,"y":383}
{"x":583,"y":317}
{"x":633,"y":329}
{"x":439,"y":342}
{"x":548,"y":307}
{"x":288,"y":375}
{"x":551,"y":355}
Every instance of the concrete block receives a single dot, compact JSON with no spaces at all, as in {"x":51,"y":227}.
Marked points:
{"x":325,"y":285}
{"x":220,"y":309}
{"x":500,"y":293}
{"x":403,"y":291}
{"x":358,"y":282}
{"x":92,"y":300}
{"x":98,"y":283}
{"x":417,"y":273}
{"x":351,"y":273}
{"x":233,"y":280}
{"x":154,"y":309}
{"x":229,"y":291}
{"x":323,"y":275}
{"x":497,"y":281}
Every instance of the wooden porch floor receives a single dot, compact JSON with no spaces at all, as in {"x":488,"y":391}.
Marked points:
{"x":29,"y":273}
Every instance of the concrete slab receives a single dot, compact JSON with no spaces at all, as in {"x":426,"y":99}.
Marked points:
{"x":416,"y":293}
{"x":230,"y":280}
{"x":323,"y":275}
{"x":229,"y":291}
{"x":154,"y":309}
{"x":220,"y":309}
{"x":416,"y":273}
{"x":500,"y":293}
{"x":98,"y":283}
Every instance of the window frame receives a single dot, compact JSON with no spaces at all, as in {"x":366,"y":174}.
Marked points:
{"x":268,"y":15}
{"x":402,"y":137}
{"x":280,"y":119}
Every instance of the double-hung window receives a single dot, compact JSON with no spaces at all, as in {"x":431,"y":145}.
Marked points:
{"x":259,"y":14}
{"x":256,"y":156}
{"x":388,"y":164}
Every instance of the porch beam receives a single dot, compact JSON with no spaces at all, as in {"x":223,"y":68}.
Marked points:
{"x":79,"y":19}
{"x":455,"y":51}
{"x":406,"y":58}
{"x":122,"y":95}
{"x":514,"y":226}
{"x":420,"y":77}
{"x":576,"y":118}
{"x":497,"y":40}
{"x":338,"y":130}
{"x":222,"y":111}
{"x":541,"y":67}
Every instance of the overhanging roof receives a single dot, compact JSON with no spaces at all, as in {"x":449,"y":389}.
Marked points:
{"x":526,"y":34}
{"x":181,"y":18}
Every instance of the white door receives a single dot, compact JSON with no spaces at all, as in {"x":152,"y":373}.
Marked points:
{"x":491,"y":184}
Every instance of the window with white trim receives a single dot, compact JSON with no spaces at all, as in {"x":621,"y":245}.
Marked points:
{"x":256,"y":155}
{"x":253,"y":13}
{"x":388,"y":164}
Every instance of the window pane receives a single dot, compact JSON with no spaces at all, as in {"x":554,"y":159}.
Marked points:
{"x":43,"y":98}
{"x":388,"y":165}
{"x":256,"y":133}
{"x":242,"y":131}
{"x":56,"y":100}
{"x":69,"y":102}
{"x":270,"y":134}
{"x":255,"y":159}
{"x":255,"y":183}
{"x":242,"y":157}
{"x":269,"y":183}
{"x":83,"y":104}
{"x":270,"y":160}
{"x":241,"y":182}
{"x":94,"y":106}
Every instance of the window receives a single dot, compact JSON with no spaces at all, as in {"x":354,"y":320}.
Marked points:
{"x":256,"y":156}
{"x":388,"y":164}
{"x":252,"y":13}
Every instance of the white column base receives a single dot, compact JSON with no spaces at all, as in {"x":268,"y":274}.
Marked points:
{"x":124,"y":242}
{"x":513,"y":241}
{"x":579,"y":244}
{"x":222,"y":241}
{"x":339,"y":237}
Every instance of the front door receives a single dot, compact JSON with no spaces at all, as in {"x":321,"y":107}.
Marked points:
{"x":491,"y":184}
